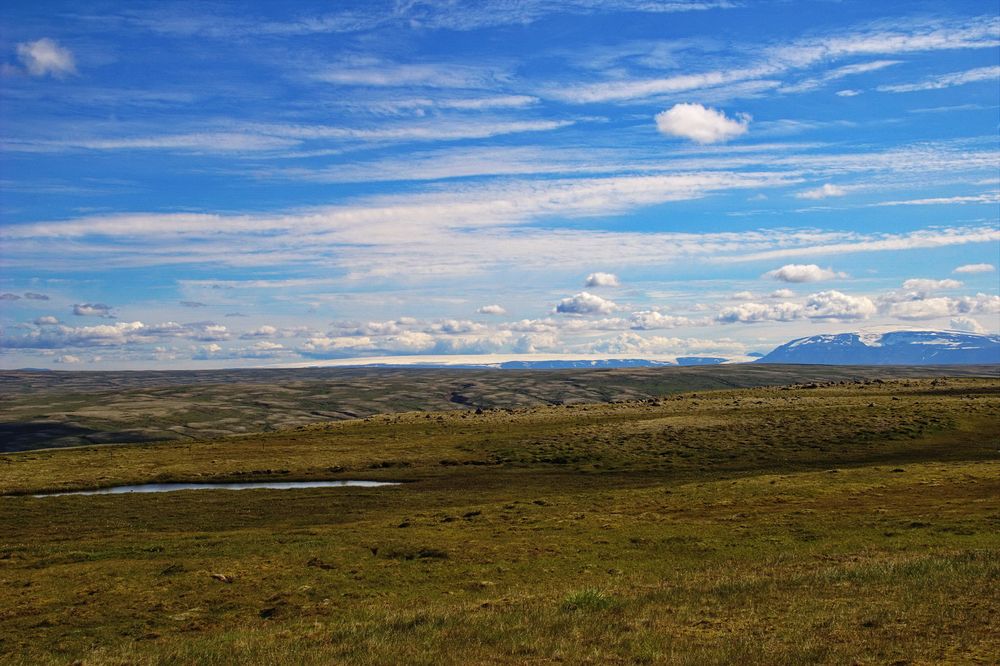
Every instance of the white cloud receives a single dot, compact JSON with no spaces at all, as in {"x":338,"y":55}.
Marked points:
{"x":782,"y":293}
{"x":57,"y":336}
{"x":631,"y":343}
{"x":585,"y":303}
{"x":838,"y":73}
{"x":747,"y":313}
{"x":975,"y":268}
{"x":465,"y":229}
{"x":46,"y":56}
{"x":374,"y":72}
{"x":261,"y":332}
{"x":743,"y":295}
{"x":92,"y":310}
{"x":947,"y":80}
{"x":803,"y":273}
{"x":68,"y":358}
{"x":921,"y":285}
{"x":531,"y":343}
{"x":701,"y":124}
{"x":966,"y":324}
{"x":649,"y":319}
{"x":222,"y":142}
{"x":47,"y":320}
{"x":932,"y":35}
{"x":925,"y":308}
{"x":978,"y":304}
{"x":832,"y":305}
{"x":836,"y":305}
{"x":602,"y":280}
{"x":456,"y":327}
{"x":988,"y":198}
{"x":824,"y":192}
{"x":492,"y":310}
{"x":848,"y":93}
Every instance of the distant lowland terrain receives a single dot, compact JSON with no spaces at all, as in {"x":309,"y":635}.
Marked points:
{"x":846,"y":518}
{"x":60,"y":409}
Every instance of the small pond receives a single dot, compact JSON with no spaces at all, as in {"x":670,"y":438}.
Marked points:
{"x":271,"y":485}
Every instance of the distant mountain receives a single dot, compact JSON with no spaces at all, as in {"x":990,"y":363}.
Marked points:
{"x":890,"y":348}
{"x":700,"y":360}
{"x":599,"y":363}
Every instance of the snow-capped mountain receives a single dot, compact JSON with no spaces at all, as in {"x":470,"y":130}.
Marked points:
{"x":913,"y":347}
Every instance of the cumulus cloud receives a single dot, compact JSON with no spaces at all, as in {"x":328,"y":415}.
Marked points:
{"x":743,"y":295}
{"x":648,"y":320}
{"x":748,"y":313}
{"x":46,"y":56}
{"x":823,"y":192}
{"x":924,"y":286}
{"x":803,"y":273}
{"x":371,"y":328}
{"x":330,"y":344}
{"x":58,"y":336}
{"x":531,"y":343}
{"x":68,"y":358}
{"x":33,"y":296}
{"x":967,"y":324}
{"x":917,"y":304}
{"x":630,"y":343}
{"x":261,"y":332}
{"x":831,"y":304}
{"x":782,"y":293}
{"x":701,"y":124}
{"x":585,"y":303}
{"x":203,"y":331}
{"x":975,"y":268}
{"x":53,"y":335}
{"x":492,"y":310}
{"x":456,"y":327}
{"x":925,"y":308}
{"x":92,"y":310}
{"x":837,"y":305}
{"x":602,"y":280}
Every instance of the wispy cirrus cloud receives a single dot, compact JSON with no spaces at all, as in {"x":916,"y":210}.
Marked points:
{"x":946,"y":80}
{"x":778,"y":60}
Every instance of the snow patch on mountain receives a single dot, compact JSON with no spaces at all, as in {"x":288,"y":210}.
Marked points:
{"x":890,"y":347}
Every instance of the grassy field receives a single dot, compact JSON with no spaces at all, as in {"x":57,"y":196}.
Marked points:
{"x":851,"y":522}
{"x":49,"y":409}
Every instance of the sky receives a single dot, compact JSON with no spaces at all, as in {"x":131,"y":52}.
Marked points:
{"x":195,"y":185}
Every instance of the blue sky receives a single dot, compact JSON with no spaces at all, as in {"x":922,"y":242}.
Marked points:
{"x":213,"y":184}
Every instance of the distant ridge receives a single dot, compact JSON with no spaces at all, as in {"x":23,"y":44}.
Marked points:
{"x":912,"y":347}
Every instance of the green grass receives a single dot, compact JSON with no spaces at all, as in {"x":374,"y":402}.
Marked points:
{"x":855,"y":523}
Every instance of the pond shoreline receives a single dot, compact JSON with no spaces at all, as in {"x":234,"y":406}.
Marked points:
{"x":251,"y":485}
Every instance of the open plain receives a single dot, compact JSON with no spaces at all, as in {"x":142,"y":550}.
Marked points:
{"x":825,"y":522}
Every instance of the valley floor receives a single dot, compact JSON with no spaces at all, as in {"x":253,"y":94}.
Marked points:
{"x":849,"y":522}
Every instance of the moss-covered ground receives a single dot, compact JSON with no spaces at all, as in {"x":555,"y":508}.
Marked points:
{"x":841,"y":523}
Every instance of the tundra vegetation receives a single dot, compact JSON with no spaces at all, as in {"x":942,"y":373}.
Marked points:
{"x":831,"y":521}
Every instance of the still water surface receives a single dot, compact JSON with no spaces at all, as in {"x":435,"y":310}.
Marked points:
{"x":169,"y":487}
